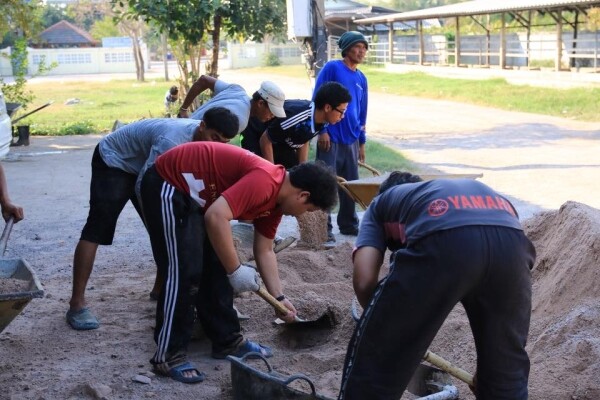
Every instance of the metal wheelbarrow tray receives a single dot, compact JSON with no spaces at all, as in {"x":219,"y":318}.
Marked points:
{"x":362,"y":191}
{"x":11,"y":304}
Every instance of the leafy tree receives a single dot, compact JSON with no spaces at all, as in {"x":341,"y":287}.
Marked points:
{"x":105,"y":27}
{"x":23,"y":20}
{"x":86,"y":12}
{"x":52,"y":14}
{"x":186,"y":21}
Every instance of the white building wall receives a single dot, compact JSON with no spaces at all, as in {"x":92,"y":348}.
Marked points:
{"x":250,"y":55}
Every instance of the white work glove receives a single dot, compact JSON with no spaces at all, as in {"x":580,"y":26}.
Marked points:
{"x":244,"y":279}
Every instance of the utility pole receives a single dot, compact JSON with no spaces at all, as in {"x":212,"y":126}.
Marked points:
{"x":319,"y":38}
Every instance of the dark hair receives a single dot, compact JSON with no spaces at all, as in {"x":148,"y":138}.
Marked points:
{"x":256,"y":96}
{"x":332,"y":93}
{"x":398,"y":178}
{"x":317,"y":179}
{"x":222,"y":120}
{"x":174,"y":90}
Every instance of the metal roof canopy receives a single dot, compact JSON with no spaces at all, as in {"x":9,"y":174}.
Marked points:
{"x":487,"y":7}
{"x":481,"y":7}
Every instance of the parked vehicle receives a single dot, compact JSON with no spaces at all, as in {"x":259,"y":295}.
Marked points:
{"x":5,"y":128}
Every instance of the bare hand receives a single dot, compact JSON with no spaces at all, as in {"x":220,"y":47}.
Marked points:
{"x":324,"y":142}
{"x":183,"y":114}
{"x":12,"y":210}
{"x":291,"y":315}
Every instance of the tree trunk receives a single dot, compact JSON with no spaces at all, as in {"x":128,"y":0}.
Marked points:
{"x":137,"y":56}
{"x":216,"y":36}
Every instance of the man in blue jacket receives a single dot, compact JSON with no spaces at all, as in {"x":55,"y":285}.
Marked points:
{"x":342,"y":145}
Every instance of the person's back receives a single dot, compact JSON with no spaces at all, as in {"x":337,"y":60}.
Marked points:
{"x":422,"y":208}
{"x":129,"y":148}
{"x":231,"y":96}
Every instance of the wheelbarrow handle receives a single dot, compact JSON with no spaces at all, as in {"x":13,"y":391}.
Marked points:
{"x":6,"y":234}
{"x":368,"y":167}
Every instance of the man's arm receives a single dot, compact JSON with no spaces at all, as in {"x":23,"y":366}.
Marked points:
{"x":8,"y":208}
{"x":266,"y":262}
{"x":367,"y":262}
{"x":302,"y":153}
{"x":266,"y":147}
{"x":201,"y":84}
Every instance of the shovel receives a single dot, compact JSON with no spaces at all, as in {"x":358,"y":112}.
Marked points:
{"x":327,"y":320}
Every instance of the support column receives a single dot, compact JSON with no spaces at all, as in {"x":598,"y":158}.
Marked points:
{"x":391,"y":43}
{"x":457,"y":42}
{"x":421,"y":42}
{"x":559,"y":41}
{"x":502,"y":49}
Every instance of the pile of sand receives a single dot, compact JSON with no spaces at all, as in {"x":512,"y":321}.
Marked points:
{"x":564,"y":342}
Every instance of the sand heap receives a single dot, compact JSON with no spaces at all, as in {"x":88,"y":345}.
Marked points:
{"x":564,"y":342}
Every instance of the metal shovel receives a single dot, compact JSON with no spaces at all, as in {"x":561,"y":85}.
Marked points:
{"x":324,"y":321}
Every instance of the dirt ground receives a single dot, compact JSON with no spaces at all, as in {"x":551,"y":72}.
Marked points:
{"x":42,"y":358}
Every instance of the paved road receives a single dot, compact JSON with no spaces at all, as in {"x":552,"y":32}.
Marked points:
{"x":539,"y":161}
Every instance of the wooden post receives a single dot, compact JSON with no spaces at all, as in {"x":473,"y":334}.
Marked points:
{"x":391,"y":43}
{"x":421,"y":42}
{"x":502,"y":49}
{"x":457,"y":43}
{"x":559,"y":41}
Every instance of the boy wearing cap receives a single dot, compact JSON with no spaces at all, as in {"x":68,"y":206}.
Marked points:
{"x":285,"y":141}
{"x":342,"y":145}
{"x":118,"y":163}
{"x":265,"y":103}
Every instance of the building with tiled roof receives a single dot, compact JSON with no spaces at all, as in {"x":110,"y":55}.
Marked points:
{"x":64,"y":34}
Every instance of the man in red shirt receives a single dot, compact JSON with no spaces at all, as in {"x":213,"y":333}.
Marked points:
{"x":190,"y":196}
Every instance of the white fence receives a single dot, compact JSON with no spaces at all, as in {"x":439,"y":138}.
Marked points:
{"x":92,"y":60}
{"x":540,"y":50}
{"x":99,"y":60}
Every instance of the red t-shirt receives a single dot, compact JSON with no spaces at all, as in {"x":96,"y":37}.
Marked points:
{"x":207,"y":170}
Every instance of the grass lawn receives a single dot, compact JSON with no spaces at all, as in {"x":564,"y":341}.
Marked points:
{"x":577,"y":103}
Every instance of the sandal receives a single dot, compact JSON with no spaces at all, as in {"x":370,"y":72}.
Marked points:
{"x":82,"y":320}
{"x":175,"y":369}
{"x":246,"y":347}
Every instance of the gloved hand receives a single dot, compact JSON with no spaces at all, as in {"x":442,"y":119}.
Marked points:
{"x":244,"y":279}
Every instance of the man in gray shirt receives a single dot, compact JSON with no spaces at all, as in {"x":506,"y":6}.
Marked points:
{"x":118,"y":160}
{"x":265,"y":104}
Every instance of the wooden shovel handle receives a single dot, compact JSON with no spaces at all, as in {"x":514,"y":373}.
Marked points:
{"x":445,"y":365}
{"x":262,"y":292}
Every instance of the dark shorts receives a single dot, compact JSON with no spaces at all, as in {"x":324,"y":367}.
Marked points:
{"x":110,"y":190}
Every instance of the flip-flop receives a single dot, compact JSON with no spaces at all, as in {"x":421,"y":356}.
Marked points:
{"x":175,"y":370}
{"x":82,"y":320}
{"x":247,"y":347}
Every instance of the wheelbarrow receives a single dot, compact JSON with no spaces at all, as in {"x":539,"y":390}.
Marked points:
{"x":253,"y":383}
{"x":15,"y":273}
{"x":364,"y":190}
